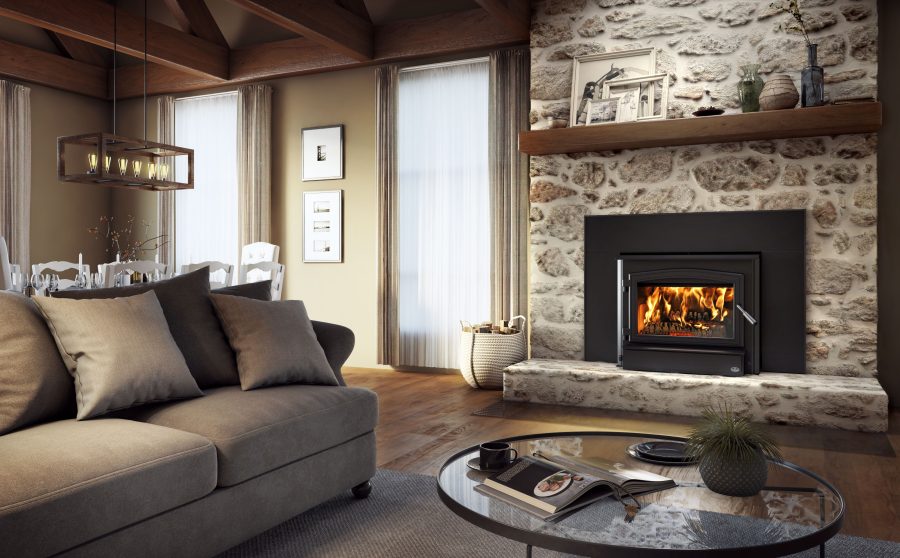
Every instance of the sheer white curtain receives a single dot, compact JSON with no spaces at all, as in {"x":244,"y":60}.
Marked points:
{"x":444,"y":245}
{"x":206,"y":218}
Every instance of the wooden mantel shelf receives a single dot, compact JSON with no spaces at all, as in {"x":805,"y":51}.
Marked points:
{"x":829,"y":120}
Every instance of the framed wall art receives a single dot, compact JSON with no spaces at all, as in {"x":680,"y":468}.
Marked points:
{"x":323,"y":152}
{"x":590,"y":73}
{"x":323,"y":224}
{"x":637,"y":99}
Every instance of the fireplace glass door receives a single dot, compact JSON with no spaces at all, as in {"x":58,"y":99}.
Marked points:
{"x":691,"y":310}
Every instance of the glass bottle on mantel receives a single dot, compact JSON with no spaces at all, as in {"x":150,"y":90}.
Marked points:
{"x":812,"y":80}
{"x":750,"y":87}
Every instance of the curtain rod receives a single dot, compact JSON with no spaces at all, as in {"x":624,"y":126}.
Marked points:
{"x":445,"y":64}
{"x":207,"y":95}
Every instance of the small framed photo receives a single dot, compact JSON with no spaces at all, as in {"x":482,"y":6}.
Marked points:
{"x":323,"y":152}
{"x":641,"y":98}
{"x":602,"y":111}
{"x":323,"y":233}
{"x":591,"y":72}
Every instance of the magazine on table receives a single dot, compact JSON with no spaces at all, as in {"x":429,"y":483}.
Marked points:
{"x":551,"y":486}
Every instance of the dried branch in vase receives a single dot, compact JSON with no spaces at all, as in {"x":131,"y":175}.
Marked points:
{"x":121,"y":241}
{"x":793,"y":8}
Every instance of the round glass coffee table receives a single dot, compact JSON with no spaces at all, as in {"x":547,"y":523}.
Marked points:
{"x":796,"y":511}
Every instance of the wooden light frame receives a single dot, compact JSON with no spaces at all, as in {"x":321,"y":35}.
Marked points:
{"x":104,"y":144}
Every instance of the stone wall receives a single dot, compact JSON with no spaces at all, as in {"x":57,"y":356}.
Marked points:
{"x":701,"y":45}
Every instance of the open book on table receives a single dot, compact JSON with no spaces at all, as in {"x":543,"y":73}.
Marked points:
{"x":551,"y":486}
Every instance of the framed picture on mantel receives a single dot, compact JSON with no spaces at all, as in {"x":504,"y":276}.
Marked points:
{"x":323,"y":233}
{"x":323,"y":152}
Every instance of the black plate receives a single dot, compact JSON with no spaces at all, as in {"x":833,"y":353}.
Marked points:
{"x":473,"y":464}
{"x":708,"y":112}
{"x":661,"y":453}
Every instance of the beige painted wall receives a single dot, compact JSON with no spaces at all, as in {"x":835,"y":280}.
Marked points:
{"x":343,"y":293}
{"x":62,"y":212}
{"x":140,"y":204}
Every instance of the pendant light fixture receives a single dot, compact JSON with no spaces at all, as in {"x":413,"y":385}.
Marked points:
{"x":109,"y":159}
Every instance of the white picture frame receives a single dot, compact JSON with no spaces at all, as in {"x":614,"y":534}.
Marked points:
{"x":592,"y":69}
{"x":322,"y":153}
{"x":652,"y":94}
{"x":323,"y":235}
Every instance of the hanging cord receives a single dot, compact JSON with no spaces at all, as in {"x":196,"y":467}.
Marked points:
{"x":115,"y":52}
{"x":145,"y":73}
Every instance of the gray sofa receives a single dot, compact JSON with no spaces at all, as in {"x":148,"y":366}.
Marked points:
{"x":186,"y":478}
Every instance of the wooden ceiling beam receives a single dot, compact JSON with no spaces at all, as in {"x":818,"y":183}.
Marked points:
{"x":459,"y":32}
{"x":92,"y":21}
{"x":36,"y":66}
{"x":358,"y":7}
{"x":194,"y":17}
{"x":514,"y":14}
{"x":318,"y":20}
{"x":79,"y":50}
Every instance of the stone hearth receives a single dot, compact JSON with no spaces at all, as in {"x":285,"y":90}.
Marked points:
{"x":847,"y":403}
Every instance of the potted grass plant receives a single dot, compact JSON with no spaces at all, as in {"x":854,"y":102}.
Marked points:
{"x":732,"y":452}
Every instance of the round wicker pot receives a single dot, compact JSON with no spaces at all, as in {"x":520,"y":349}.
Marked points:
{"x":735,"y":478}
{"x":779,"y":93}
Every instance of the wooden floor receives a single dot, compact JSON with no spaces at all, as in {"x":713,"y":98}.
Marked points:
{"x":427,"y":417}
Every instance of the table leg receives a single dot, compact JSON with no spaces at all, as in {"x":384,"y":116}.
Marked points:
{"x":528,"y":551}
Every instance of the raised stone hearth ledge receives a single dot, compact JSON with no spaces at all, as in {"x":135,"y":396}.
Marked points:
{"x":846,"y":403}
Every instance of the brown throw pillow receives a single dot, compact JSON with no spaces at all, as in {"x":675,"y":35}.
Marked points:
{"x":259,"y":290}
{"x":274,"y":342}
{"x":34,"y":383}
{"x":192,"y":321}
{"x":120,"y":352}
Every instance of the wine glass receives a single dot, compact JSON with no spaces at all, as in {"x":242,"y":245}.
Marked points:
{"x":96,"y":280}
{"x":52,"y":282}
{"x":81,"y":280}
{"x":37,"y":281}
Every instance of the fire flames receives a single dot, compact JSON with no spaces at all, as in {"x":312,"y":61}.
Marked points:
{"x":684,"y":311}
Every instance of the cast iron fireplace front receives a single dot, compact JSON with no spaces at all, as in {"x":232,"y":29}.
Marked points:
{"x":695,"y":314}
{"x":716,"y":293}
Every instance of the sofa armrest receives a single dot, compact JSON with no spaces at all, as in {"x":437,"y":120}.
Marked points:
{"x":338,"y":342}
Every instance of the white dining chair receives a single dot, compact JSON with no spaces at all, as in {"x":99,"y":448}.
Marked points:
{"x":5,"y":267}
{"x":259,"y":252}
{"x":269,"y":270}
{"x":61,"y":267}
{"x":220,"y":269}
{"x":110,"y":270}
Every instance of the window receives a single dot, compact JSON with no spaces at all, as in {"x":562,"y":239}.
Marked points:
{"x":443,"y":224}
{"x":206,"y":218}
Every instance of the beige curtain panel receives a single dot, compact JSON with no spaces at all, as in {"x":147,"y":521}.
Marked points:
{"x":255,"y":163}
{"x":165,"y":209}
{"x":387,"y":80}
{"x":15,"y":170}
{"x":509,"y":107}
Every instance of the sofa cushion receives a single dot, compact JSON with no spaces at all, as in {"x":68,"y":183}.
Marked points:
{"x":260,"y":430}
{"x":192,"y":321}
{"x":258,"y":290}
{"x":34,"y":383}
{"x":64,"y":483}
{"x":274,"y":342}
{"x":120,"y":352}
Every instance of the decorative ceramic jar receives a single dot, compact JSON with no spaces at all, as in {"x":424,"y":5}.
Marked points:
{"x":734,"y":478}
{"x":750,"y":87}
{"x":779,"y":93}
{"x":812,"y":80}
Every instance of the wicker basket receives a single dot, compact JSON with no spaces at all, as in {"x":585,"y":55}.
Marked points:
{"x":484,"y":356}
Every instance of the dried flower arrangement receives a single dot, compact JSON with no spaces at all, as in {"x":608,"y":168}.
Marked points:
{"x":792,"y":7}
{"x":121,"y":241}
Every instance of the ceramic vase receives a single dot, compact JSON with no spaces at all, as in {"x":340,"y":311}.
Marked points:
{"x":735,"y":478}
{"x":779,"y":93}
{"x":750,"y":87}
{"x":812,"y":80}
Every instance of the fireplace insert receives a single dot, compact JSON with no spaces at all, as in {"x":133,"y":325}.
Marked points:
{"x":715,"y":293}
{"x":689,"y":314}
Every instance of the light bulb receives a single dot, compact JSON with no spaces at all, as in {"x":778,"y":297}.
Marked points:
{"x":108,"y":162}
{"x":151,"y":170}
{"x":163,"y":171}
{"x":92,"y":163}
{"x":136,"y":165}
{"x":123,"y":165}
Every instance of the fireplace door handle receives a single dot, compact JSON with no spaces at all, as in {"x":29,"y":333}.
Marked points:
{"x":747,"y":316}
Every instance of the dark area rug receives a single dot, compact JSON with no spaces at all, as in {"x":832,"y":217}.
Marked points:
{"x":404,"y":518}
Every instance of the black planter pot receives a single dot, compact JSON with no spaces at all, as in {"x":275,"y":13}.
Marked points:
{"x":735,"y":478}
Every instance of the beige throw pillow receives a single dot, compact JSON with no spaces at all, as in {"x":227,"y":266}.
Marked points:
{"x":274,"y":342}
{"x":119,"y":350}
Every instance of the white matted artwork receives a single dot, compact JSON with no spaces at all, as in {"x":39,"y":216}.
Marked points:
{"x":590,"y":73}
{"x":323,"y":152}
{"x":323,"y":226}
{"x":642,"y":98}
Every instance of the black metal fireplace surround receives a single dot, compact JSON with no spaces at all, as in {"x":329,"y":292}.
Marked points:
{"x":709,"y":293}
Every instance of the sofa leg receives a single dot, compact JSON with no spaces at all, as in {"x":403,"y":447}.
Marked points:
{"x":362,"y":491}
